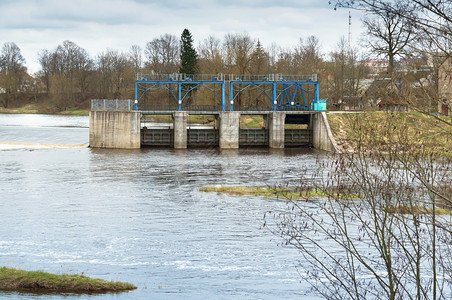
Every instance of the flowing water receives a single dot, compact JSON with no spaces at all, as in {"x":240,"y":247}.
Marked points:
{"x":138,"y":216}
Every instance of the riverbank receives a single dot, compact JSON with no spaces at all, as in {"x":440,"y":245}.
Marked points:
{"x":37,"y":109}
{"x":20,"y":280}
{"x":421,"y":131}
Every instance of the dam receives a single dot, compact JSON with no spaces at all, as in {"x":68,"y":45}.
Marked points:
{"x":292,"y":116}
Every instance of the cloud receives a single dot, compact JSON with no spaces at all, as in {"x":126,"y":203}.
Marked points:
{"x":118,"y":24}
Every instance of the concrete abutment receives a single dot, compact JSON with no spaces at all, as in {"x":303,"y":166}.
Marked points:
{"x":322,"y":137}
{"x":115,"y":129}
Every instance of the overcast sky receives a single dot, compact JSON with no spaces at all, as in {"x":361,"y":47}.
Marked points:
{"x":98,"y":25}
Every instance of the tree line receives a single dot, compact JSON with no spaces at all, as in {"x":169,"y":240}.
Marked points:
{"x":69,"y":76}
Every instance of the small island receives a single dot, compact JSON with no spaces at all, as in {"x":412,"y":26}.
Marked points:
{"x":19,"y":280}
{"x":265,"y":191}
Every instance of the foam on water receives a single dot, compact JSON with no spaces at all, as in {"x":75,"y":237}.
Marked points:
{"x":35,"y":146}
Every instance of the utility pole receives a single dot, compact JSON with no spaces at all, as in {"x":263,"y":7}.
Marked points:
{"x":349,"y":29}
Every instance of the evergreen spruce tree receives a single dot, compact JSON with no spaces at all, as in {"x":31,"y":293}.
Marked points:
{"x":188,"y":55}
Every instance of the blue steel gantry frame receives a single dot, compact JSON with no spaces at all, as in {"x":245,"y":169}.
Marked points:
{"x":184,"y":83}
{"x":284,"y":92}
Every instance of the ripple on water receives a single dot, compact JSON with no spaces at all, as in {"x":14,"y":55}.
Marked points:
{"x":138,"y":216}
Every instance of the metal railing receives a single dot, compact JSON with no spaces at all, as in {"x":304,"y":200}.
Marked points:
{"x":251,"y":107}
{"x":224,"y":77}
{"x":216,"y":108}
{"x":112,"y":104}
{"x":176,"y":107}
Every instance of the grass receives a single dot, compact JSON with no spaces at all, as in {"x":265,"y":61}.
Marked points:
{"x":375,"y":129}
{"x":39,"y":109}
{"x":20,"y":280}
{"x":27,"y":109}
{"x":75,"y":112}
{"x":416,"y":210}
{"x":268,"y":192}
{"x":251,"y":121}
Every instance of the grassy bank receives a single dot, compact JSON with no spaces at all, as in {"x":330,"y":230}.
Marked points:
{"x":20,"y":280}
{"x":41,"y":109}
{"x":417,"y":130}
{"x":416,"y":210}
{"x":27,"y":109}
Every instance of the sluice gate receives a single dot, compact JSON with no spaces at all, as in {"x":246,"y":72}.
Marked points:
{"x":210,"y":137}
{"x":198,"y":135}
{"x":157,"y":137}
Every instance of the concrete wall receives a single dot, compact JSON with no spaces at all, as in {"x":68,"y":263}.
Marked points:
{"x":322,"y":138}
{"x":276,"y":122}
{"x":180,"y":129}
{"x":114,"y":129}
{"x":229,"y":129}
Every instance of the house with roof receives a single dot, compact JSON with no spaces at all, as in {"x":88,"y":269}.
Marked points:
{"x":384,"y":94}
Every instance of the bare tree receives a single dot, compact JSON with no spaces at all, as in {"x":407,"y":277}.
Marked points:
{"x":388,"y":33}
{"x":66,"y":73}
{"x":307,"y":56}
{"x":45,"y":60}
{"x":210,"y":56}
{"x":115,"y":74}
{"x":285,"y":62}
{"x":12,"y":71}
{"x":430,"y":20}
{"x":378,"y":234}
{"x":346,"y":73}
{"x":136,"y":56}
{"x":238,"y":50}
{"x":163,"y":54}
{"x":430,"y":23}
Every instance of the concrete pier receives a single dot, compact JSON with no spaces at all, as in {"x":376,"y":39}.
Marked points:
{"x":276,"y":122}
{"x":229,"y":129}
{"x":115,"y":129}
{"x":180,"y":129}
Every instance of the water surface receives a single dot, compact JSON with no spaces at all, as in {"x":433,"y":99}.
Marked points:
{"x":137,"y":215}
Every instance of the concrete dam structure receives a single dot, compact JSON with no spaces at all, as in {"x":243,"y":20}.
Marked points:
{"x":125,"y":130}
{"x":292,"y":113}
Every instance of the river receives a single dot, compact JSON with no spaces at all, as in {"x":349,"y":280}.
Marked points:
{"x":138,"y":216}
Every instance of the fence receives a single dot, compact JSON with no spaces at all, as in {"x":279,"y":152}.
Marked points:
{"x":223,"y":77}
{"x":112,"y":104}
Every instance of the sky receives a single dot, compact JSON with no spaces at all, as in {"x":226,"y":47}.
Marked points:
{"x":99,"y":25}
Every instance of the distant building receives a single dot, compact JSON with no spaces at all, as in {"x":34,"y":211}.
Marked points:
{"x":385,"y":94}
{"x":376,"y":66}
{"x":445,"y":87}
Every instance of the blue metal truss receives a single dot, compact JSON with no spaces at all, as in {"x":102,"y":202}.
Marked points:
{"x":282,"y":92}
{"x":296,"y":95}
{"x":180,"y":92}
